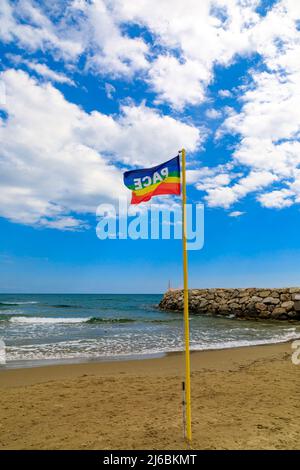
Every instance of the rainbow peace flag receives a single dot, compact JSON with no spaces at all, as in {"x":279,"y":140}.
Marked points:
{"x":155,"y":181}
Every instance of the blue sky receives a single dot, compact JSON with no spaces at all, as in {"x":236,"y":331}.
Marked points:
{"x":91,"y":89}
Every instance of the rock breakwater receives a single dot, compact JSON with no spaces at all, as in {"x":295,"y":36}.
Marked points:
{"x":249,"y":303}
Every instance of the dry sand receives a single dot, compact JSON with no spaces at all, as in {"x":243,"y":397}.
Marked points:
{"x":245,"y":398}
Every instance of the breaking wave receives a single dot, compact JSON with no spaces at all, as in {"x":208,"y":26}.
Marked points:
{"x":15,"y":304}
{"x":90,"y":320}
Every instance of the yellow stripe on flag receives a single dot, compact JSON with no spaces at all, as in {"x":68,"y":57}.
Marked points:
{"x":152,"y":187}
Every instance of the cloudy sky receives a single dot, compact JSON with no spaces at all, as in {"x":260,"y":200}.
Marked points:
{"x":89,"y":89}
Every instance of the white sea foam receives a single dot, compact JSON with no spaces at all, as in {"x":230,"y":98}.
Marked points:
{"x":283,"y":338}
{"x":19,"y":303}
{"x":5,"y":313}
{"x":47,"y":320}
{"x":118,"y":347}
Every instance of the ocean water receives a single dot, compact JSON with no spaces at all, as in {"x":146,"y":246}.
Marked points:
{"x":46,"y":328}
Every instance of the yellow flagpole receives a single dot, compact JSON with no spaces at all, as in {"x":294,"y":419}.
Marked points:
{"x":186,"y":306}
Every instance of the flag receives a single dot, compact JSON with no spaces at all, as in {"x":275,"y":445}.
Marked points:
{"x":155,"y":181}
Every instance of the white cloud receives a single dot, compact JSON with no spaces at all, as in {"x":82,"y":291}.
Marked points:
{"x":169,"y":78}
{"x":147,"y":137}
{"x":54,"y":161}
{"x":264,"y":113}
{"x":111,"y":51}
{"x":2,"y":93}
{"x":268,"y":124}
{"x":215,"y":181}
{"x":190,"y":43}
{"x":195,"y":35}
{"x":44,"y":71}
{"x":236,"y":214}
{"x":23,"y":22}
{"x":213,"y":113}
{"x":223,"y":195}
{"x":84,"y":27}
{"x":63,"y":223}
{"x":40,"y":69}
{"x":277,"y":199}
{"x":225,"y":93}
{"x":178,"y":66}
{"x":109,"y":90}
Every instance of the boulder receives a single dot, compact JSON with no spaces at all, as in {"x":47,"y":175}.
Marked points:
{"x":243,"y":293}
{"x":234,"y":306}
{"x":271,"y":300}
{"x":264,"y":293}
{"x":289,"y":305}
{"x":261,"y":307}
{"x":278,"y":312}
{"x":285,"y":297}
{"x":210,"y":296}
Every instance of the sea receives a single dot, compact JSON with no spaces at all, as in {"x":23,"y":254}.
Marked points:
{"x":38,"y":329}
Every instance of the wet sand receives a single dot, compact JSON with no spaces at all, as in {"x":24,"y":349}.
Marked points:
{"x":242,"y":398}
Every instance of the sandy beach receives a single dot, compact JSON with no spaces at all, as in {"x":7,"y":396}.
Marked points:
{"x":243,"y":398}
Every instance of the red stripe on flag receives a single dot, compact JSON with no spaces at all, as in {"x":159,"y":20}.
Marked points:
{"x":163,"y":188}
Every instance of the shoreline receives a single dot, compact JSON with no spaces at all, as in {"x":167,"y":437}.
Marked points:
{"x":40,"y":363}
{"x":142,"y":365}
{"x":242,"y":398}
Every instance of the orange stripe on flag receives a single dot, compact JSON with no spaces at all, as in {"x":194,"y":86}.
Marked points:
{"x":163,"y":188}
